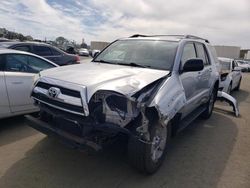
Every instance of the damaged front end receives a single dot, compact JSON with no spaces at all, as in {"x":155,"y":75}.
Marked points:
{"x":109,"y":113}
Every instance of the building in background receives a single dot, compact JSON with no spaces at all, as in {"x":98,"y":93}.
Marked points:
{"x":232,"y":52}
{"x":98,"y":45}
{"x":245,"y":54}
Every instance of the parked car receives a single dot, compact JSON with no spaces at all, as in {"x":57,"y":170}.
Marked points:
{"x":45,"y":50}
{"x":83,"y":52}
{"x":230,"y":75}
{"x":146,"y":87}
{"x":244,"y":65}
{"x":17,"y":73}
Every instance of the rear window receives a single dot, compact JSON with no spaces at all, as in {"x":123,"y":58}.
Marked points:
{"x":42,"y":50}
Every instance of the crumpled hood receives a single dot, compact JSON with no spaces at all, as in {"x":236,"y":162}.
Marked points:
{"x":100,"y":76}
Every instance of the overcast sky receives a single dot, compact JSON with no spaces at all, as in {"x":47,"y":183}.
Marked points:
{"x":223,"y":22}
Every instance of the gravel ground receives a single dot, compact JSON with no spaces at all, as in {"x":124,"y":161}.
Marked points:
{"x":212,"y":153}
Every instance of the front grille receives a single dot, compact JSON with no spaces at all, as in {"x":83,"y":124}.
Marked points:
{"x":64,"y":91}
{"x":67,"y":100}
{"x":53,"y":102}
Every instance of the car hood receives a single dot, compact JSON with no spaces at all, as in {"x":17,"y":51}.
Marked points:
{"x":100,"y":76}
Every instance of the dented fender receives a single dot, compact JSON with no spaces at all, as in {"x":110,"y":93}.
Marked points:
{"x":170,"y":99}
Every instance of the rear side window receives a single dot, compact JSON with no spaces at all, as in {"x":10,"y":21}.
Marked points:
{"x":55,"y":51}
{"x":188,"y":53}
{"x":42,"y":50}
{"x":25,"y":48}
{"x":202,"y":53}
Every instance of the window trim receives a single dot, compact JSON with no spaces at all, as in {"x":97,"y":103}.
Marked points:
{"x":189,"y":42}
{"x":206,"y":53}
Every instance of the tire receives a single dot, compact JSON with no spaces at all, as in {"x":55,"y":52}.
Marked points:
{"x":146,"y":157}
{"x":229,"y":89}
{"x":238,"y":86}
{"x":209,"y":105}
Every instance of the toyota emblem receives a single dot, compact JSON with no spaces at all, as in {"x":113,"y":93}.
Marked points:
{"x":53,"y":92}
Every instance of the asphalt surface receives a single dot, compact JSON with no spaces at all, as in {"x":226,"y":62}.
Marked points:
{"x":211,"y":153}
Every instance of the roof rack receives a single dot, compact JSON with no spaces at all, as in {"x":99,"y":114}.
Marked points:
{"x":181,"y":36}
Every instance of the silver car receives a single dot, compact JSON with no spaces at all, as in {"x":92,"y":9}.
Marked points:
{"x":17,"y":74}
{"x":230,"y":75}
{"x":145,"y":87}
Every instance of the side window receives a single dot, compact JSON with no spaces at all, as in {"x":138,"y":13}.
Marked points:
{"x":55,"y":51}
{"x":36,"y":65}
{"x":188,"y":53}
{"x":25,"y":48}
{"x":1,"y":62}
{"x":42,"y":50}
{"x":202,"y":53}
{"x":25,"y":63}
{"x":16,"y":63}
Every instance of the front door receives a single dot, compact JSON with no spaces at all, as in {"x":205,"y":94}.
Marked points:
{"x":190,"y":80}
{"x":19,"y":82}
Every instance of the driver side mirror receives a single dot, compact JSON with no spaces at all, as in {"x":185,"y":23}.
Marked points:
{"x":193,"y":65}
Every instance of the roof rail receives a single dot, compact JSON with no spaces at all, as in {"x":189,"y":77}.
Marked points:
{"x":195,"y":37}
{"x":181,"y":36}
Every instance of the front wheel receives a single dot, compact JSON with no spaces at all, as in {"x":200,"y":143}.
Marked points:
{"x":147,"y":157}
{"x":210,"y":105}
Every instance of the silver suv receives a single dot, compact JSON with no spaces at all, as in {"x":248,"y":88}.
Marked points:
{"x":146,"y":87}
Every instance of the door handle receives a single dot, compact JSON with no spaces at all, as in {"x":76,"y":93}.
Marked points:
{"x":210,"y":70}
{"x":17,"y":82}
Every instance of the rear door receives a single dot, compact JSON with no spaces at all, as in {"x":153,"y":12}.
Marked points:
{"x":4,"y":101}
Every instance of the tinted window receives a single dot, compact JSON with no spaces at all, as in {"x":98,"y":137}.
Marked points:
{"x":55,"y":51}
{"x":22,"y":48}
{"x":25,"y":63}
{"x":153,"y":54}
{"x":37,"y":64}
{"x":42,"y":50}
{"x":188,"y":53}
{"x":16,"y":63}
{"x":201,"y":53}
{"x":1,"y":62}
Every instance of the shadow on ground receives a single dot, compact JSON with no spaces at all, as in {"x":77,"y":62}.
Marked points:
{"x":197,"y":158}
{"x":14,"y":129}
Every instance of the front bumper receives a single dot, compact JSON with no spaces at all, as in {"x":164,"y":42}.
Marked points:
{"x":76,"y":141}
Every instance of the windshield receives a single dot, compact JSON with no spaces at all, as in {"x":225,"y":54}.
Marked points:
{"x":142,"y":53}
{"x":225,"y":65}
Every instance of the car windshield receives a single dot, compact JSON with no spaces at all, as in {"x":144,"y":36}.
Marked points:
{"x":225,"y":65}
{"x":142,"y":53}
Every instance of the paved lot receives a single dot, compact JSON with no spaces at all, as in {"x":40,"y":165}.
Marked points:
{"x":213,"y":153}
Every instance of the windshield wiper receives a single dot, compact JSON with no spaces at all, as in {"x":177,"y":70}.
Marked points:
{"x":126,"y":64}
{"x":103,"y":61}
{"x":134,"y":65}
